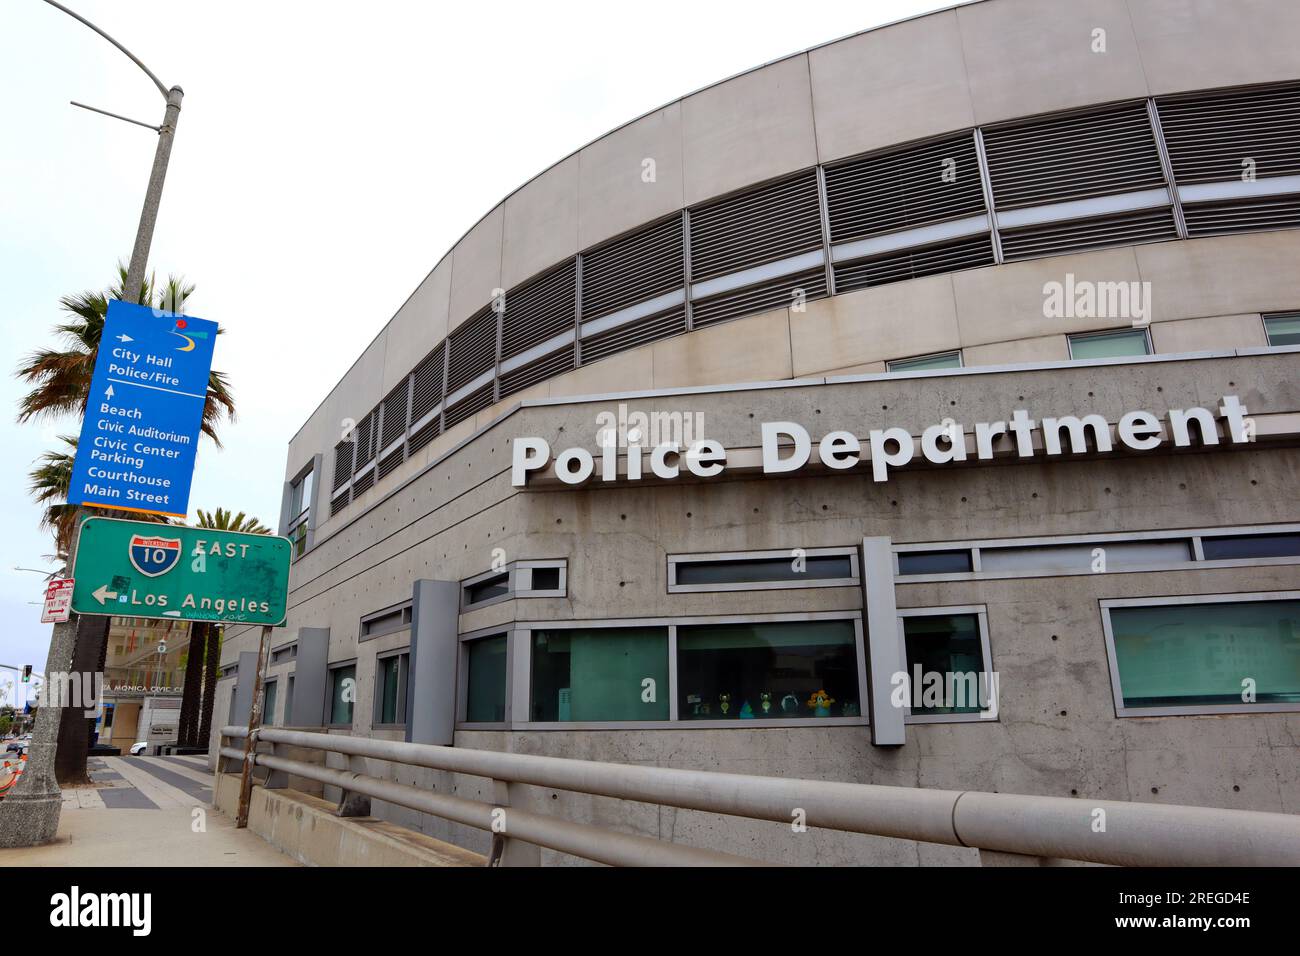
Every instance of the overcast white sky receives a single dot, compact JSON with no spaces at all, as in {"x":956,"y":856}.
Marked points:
{"x":328,"y":154}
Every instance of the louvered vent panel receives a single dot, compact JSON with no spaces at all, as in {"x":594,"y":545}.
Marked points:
{"x":632,"y":334}
{"x":918,"y":186}
{"x":758,"y":298}
{"x":363,"y":484}
{"x":388,"y":465}
{"x":539,"y":310}
{"x":428,"y":384}
{"x":395,"y":414}
{"x":475,"y":401}
{"x":1074,"y":157}
{"x":1053,"y":239}
{"x":1243,"y":215}
{"x":638,"y":267}
{"x":557,"y":363}
{"x":339,"y":502}
{"x":1210,"y":135}
{"x":428,"y":433}
{"x":342,"y":464}
{"x":473,"y":349}
{"x":365,"y":438}
{"x":969,"y":253}
{"x":764,"y":225}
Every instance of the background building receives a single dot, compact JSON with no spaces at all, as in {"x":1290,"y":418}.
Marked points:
{"x":1083,"y":208}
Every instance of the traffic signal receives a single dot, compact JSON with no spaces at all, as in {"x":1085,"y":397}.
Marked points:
{"x":27,"y":673}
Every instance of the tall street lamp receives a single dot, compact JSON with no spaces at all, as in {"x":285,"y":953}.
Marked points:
{"x":29,"y":815}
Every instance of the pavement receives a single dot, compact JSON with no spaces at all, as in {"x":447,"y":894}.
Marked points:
{"x":147,"y":811}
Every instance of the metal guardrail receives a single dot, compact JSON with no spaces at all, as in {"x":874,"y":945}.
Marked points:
{"x":1004,"y":827}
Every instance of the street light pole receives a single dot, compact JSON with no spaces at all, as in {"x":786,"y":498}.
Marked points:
{"x":29,"y":815}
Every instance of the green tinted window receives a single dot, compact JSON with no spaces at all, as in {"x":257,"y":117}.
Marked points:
{"x":343,"y":692}
{"x":767,"y":670}
{"x":611,"y":673}
{"x":486,"y":693}
{"x":1109,"y":345}
{"x":1283,"y":329}
{"x":944,"y":662}
{"x":268,"y":703}
{"x":946,"y":360}
{"x":390,"y":673}
{"x":1188,"y":654}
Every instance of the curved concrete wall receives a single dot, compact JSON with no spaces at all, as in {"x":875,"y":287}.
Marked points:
{"x":934,"y":74}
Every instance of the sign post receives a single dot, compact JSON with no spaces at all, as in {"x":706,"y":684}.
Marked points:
{"x":139,"y":569}
{"x":144,"y":412}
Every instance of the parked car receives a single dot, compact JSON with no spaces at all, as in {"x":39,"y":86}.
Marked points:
{"x":138,"y":747}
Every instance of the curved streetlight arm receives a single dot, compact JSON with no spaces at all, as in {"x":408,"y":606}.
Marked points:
{"x":134,"y":59}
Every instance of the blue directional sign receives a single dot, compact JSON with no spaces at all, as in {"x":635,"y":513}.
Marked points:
{"x":141,"y":429}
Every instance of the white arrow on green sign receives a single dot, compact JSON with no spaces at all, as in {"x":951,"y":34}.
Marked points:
{"x":143,"y":569}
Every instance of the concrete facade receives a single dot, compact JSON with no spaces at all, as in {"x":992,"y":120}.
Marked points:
{"x":450,"y":511}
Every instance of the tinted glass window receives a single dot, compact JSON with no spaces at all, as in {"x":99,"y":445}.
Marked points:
{"x":1251,"y":546}
{"x":945,"y":661}
{"x":933,"y":562}
{"x":486,"y":689}
{"x":615,"y":673}
{"x":750,"y":571}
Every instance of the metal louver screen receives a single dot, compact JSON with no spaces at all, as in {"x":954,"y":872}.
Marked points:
{"x":1216,"y":137}
{"x":1057,"y":238}
{"x":539,"y":310}
{"x":363,"y":484}
{"x":1243,"y":215}
{"x":394,"y":414}
{"x":632,"y":334}
{"x":904,"y":189}
{"x":475,"y":401}
{"x":635,"y":268}
{"x":547,"y":367}
{"x":419,"y":439}
{"x":473,"y":349}
{"x":969,"y":253}
{"x":339,"y":502}
{"x":365,"y":439}
{"x":764,"y":225}
{"x":774,"y":294}
{"x":428,"y":384}
{"x":342,"y":464}
{"x":388,"y":465}
{"x":1073,"y":157}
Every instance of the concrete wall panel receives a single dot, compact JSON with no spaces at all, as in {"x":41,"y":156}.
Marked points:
{"x":541,"y":223}
{"x":615,"y":195}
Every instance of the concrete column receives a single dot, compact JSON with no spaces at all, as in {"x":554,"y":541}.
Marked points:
{"x":309,"y":675}
{"x":431,"y":686}
{"x":885,"y":656}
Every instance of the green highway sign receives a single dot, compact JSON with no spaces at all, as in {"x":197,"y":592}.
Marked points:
{"x":144,"y":569}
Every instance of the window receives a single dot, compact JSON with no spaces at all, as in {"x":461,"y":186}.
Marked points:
{"x":1238,"y":546}
{"x":597,"y":674}
{"x":796,"y":669}
{"x":1204,"y":654}
{"x":487,"y":589}
{"x":948,"y":665}
{"x":288,"y":702}
{"x":300,"y":492}
{"x":792,"y":568}
{"x":268,"y":702}
{"x":545,"y":579}
{"x":924,"y":362}
{"x":1106,"y":345}
{"x":1283,"y":329}
{"x":934,"y":562}
{"x":387,"y":621}
{"x":1104,"y":555}
{"x":343,"y":693}
{"x":485,"y":693}
{"x":390,"y":684}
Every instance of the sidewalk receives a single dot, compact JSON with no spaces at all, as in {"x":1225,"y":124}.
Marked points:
{"x":147,"y":811}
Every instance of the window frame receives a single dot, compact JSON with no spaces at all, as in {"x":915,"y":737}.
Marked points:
{"x":1267,"y":317}
{"x":519,"y":673}
{"x":1071,"y":337}
{"x":1184,"y":710}
{"x":268,"y":719}
{"x":405,"y":610}
{"x":986,"y":649}
{"x":462,"y":677}
{"x":403,"y":681}
{"x":330,"y":668}
{"x":301,"y":521}
{"x":519,"y":579}
{"x":961,"y":362}
{"x":1194,"y":535}
{"x":675,"y":560}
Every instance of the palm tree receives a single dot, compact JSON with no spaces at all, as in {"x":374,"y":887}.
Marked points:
{"x":201,"y":668}
{"x":60,"y":380}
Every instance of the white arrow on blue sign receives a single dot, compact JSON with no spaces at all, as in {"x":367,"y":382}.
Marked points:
{"x":141,"y":430}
